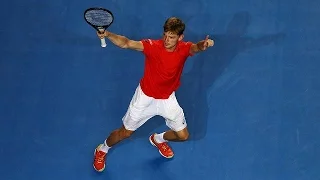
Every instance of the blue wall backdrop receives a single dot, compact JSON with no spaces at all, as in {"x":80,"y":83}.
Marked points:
{"x":251,"y":101}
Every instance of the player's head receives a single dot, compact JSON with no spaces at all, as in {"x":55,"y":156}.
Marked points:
{"x":173,"y":30}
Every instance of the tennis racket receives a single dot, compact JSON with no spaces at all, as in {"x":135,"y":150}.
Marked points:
{"x":100,"y":19}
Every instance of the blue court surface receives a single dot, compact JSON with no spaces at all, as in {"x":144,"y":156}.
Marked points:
{"x":252,"y":101}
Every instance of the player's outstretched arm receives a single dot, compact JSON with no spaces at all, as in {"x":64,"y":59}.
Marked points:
{"x":122,"y":41}
{"x":201,"y":45}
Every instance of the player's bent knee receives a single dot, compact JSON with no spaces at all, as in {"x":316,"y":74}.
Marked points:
{"x":183,"y":135}
{"x":123,"y":133}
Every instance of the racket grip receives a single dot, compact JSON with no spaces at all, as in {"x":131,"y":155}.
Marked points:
{"x":103,"y":42}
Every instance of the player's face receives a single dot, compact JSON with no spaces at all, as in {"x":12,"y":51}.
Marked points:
{"x":170,"y":40}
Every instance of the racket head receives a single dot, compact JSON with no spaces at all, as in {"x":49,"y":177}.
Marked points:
{"x":99,"y":18}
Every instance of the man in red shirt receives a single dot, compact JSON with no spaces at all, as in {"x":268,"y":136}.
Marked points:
{"x":155,"y":94}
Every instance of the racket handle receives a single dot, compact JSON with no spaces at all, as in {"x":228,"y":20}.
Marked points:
{"x":103,"y":42}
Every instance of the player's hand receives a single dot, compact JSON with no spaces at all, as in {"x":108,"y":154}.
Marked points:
{"x":103,"y":34}
{"x":207,"y":43}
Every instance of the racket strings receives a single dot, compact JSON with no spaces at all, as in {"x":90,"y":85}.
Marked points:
{"x":99,"y":17}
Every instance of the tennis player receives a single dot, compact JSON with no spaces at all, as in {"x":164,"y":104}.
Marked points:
{"x":155,"y":93}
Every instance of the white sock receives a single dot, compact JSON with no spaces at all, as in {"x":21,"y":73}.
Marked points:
{"x":105,"y":148}
{"x":159,"y":138}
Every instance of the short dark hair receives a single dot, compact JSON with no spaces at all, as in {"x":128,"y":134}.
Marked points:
{"x":174,"y":25}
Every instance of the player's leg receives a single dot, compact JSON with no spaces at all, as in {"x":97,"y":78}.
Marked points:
{"x":175,"y":120}
{"x":139,"y":111}
{"x":176,"y":136}
{"x":101,"y":151}
{"x":161,"y":140}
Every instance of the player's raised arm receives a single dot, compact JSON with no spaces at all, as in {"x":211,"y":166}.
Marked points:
{"x":122,"y":41}
{"x":201,"y":45}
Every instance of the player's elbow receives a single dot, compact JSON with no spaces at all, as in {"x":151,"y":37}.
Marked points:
{"x":131,"y":44}
{"x":125,"y":44}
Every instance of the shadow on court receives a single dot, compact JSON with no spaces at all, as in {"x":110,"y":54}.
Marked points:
{"x":207,"y":67}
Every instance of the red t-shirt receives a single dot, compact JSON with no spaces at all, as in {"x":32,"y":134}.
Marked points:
{"x":163,"y":69}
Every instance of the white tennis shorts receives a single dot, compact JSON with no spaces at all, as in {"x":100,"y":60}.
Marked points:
{"x":142,"y":108}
